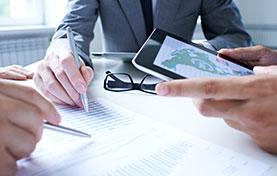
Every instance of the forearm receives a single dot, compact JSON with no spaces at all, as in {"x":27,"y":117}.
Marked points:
{"x":230,"y":41}
{"x":81,"y":17}
{"x":222,"y":25}
{"x":62,"y":43}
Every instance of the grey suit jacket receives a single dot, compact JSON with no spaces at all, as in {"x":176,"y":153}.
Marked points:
{"x":124,"y":28}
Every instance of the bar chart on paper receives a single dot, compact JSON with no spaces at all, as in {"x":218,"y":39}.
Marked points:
{"x":124,"y":143}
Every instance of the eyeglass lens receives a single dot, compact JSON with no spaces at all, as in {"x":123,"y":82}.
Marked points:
{"x":149,"y":83}
{"x":119,"y":82}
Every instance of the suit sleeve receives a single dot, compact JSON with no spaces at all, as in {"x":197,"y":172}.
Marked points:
{"x":222,"y":24}
{"x":81,"y":16}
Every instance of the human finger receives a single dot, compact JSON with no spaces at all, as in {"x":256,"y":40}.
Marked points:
{"x":218,"y":108}
{"x":52,"y":85}
{"x":266,"y":70}
{"x":60,"y":74}
{"x":19,"y":143}
{"x":250,"y":115}
{"x":13,"y":75}
{"x":239,"y":88}
{"x":87,"y":73}
{"x":7,"y":162}
{"x":246,"y":53}
{"x":73,"y":73}
{"x":47,"y":94}
{"x":30,"y":96}
{"x":257,"y":115}
{"x":234,"y":113}
{"x":235,"y":124}
{"x":22,"y":71}
{"x":27,"y":117}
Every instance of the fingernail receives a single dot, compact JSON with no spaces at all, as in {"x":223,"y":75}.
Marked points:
{"x":81,"y":88}
{"x":162,"y":89}
{"x":223,"y":50}
{"x":261,"y":70}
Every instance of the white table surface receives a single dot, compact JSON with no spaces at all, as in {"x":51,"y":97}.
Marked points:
{"x":176,"y":112}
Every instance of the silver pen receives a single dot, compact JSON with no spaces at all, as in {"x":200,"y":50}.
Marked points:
{"x":66,"y":130}
{"x":70,"y":37}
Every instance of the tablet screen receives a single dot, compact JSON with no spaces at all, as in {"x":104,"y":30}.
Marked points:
{"x":192,"y":62}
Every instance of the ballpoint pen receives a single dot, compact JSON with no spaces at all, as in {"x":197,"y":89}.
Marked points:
{"x":70,"y":37}
{"x":67,"y":130}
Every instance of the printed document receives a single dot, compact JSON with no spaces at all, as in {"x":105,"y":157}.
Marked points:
{"x":124,"y":143}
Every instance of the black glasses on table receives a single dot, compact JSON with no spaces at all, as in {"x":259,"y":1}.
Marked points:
{"x":120,"y":82}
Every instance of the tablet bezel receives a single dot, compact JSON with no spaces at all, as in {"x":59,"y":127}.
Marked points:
{"x":144,"y":59}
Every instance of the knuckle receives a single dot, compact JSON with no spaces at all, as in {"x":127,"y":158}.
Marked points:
{"x":51,"y":86}
{"x":48,"y":58}
{"x":66,"y":59}
{"x":203,"y":108}
{"x":32,"y":93}
{"x":47,"y":94}
{"x":36,"y":77}
{"x":175,"y":89}
{"x":263,"y":50}
{"x":59,"y":74}
{"x":261,"y":122}
{"x":31,"y":146}
{"x":39,"y":132}
{"x":48,"y":109}
{"x":25,"y":149}
{"x":231,"y":124}
{"x":257,"y":120}
{"x":41,"y":67}
{"x":260,"y":47}
{"x":43,"y":113}
{"x":210,"y":88}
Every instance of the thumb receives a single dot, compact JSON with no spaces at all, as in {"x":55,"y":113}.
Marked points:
{"x":266,"y":70}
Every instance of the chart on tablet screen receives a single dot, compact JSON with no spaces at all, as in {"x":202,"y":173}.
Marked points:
{"x":191,"y":62}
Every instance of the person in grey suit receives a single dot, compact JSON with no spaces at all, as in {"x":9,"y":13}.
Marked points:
{"x":126,"y":25}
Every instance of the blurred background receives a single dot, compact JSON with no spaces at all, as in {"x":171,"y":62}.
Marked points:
{"x":26,"y":27}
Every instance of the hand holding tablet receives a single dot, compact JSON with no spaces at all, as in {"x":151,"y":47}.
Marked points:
{"x":167,"y":56}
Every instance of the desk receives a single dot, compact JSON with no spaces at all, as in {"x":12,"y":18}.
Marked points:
{"x":176,"y":112}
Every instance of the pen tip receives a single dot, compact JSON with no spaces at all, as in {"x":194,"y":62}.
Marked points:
{"x":86,"y":109}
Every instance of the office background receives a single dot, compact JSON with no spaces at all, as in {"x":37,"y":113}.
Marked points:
{"x":26,"y":27}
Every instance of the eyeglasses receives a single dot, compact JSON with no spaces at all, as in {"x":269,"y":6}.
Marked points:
{"x":120,"y":82}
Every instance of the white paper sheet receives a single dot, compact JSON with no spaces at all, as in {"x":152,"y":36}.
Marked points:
{"x":126,"y":144}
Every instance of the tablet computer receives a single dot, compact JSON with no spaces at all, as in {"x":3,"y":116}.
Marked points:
{"x":167,"y":56}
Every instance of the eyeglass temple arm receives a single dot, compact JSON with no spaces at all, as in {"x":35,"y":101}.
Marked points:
{"x":149,"y":86}
{"x":114,"y":77}
{"x":115,"y":84}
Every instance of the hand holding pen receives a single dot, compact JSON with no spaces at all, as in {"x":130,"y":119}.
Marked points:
{"x":58,"y":76}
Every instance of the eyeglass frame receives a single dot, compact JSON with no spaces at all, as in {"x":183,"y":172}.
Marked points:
{"x":134,"y":86}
